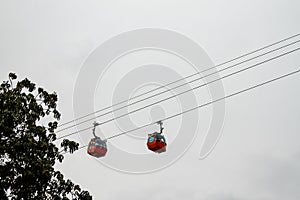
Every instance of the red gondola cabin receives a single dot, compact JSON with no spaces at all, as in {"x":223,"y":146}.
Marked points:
{"x":97,"y":148}
{"x":156,"y":142}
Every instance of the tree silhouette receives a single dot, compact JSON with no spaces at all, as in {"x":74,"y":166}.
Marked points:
{"x":27,"y":149}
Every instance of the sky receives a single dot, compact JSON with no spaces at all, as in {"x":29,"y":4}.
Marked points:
{"x":257,"y":155}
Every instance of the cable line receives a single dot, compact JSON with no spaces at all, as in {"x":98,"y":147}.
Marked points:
{"x":160,"y":87}
{"x":206,"y":104}
{"x":200,"y":78}
{"x":211,"y":102}
{"x":226,"y":76}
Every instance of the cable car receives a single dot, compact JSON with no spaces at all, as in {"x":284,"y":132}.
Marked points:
{"x":97,"y":147}
{"x":156,"y":141}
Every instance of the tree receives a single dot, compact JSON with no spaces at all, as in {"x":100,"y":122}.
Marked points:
{"x":27,"y":149}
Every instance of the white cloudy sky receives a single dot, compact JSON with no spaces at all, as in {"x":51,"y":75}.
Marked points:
{"x":258,"y":155}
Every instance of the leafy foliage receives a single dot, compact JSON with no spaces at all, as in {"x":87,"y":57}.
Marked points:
{"x":27,"y":149}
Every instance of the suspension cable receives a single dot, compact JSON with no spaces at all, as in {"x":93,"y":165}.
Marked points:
{"x":206,"y":104}
{"x":199,"y":86}
{"x":163,"y":86}
{"x":186,"y":83}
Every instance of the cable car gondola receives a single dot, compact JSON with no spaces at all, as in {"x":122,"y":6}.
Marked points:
{"x":156,"y":141}
{"x":97,"y":147}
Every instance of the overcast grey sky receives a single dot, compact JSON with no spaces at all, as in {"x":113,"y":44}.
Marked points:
{"x":258,"y":154}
